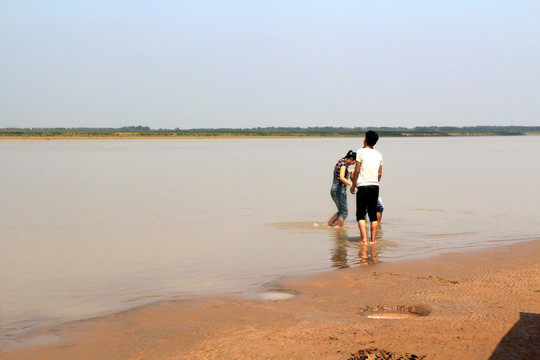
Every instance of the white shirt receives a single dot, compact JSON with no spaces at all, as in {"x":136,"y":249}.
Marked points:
{"x":370,"y":160}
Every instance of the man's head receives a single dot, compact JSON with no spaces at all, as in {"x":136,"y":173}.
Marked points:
{"x":371,"y":138}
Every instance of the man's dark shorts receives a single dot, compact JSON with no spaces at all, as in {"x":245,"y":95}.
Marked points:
{"x":366,"y":202}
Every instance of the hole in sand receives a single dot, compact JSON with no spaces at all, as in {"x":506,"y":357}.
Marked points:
{"x":396,"y":312}
{"x":391,"y":316}
{"x":273,"y":295}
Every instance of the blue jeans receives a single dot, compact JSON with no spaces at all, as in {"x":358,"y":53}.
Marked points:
{"x":380,"y":205}
{"x":339,"y":195}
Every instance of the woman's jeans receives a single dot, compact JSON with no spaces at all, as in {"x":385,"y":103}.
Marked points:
{"x":339,"y":195}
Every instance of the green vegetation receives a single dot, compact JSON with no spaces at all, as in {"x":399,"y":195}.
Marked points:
{"x":146,"y":132}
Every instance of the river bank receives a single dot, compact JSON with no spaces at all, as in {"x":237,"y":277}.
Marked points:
{"x":461,"y":305}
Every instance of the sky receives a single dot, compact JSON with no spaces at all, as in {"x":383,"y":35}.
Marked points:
{"x":244,"y":64}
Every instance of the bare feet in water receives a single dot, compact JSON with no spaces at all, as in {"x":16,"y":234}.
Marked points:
{"x":365,"y":242}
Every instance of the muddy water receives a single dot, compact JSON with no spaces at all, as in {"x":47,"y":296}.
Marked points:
{"x":93,"y":227}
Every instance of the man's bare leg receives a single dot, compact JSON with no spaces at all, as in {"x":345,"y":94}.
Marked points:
{"x":340,"y":222}
{"x":379,"y":218}
{"x":363,"y":230}
{"x":374,"y":225}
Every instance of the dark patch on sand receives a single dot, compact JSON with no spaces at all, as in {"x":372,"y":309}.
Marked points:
{"x":419,"y":309}
{"x":371,"y":354}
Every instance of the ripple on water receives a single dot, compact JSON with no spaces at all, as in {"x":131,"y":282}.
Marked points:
{"x":29,"y":341}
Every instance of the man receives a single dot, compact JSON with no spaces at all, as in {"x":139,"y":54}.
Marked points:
{"x":366,"y":176}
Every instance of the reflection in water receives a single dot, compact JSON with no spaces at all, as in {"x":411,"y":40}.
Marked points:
{"x":339,"y":251}
{"x":368,"y":255}
{"x":340,"y":257}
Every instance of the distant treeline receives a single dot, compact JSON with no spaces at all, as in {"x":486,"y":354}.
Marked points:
{"x":147,"y":132}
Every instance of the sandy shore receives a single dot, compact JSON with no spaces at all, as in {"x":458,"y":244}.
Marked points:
{"x":477,"y":305}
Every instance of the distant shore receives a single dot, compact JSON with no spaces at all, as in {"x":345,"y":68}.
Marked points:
{"x":135,"y":133}
{"x":454,"y":306}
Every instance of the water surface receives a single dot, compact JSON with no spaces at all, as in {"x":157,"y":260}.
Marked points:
{"x":93,"y":227}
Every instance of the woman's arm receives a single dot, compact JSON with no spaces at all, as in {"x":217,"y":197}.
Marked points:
{"x":342,"y":172}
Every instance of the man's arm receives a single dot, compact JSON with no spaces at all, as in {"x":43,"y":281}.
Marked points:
{"x":380,"y":173}
{"x":354,"y":176}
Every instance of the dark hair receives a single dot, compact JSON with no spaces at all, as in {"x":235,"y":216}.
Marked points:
{"x":350,"y":155}
{"x":371,"y":138}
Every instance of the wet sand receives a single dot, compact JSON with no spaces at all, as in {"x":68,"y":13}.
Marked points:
{"x":476,"y":305}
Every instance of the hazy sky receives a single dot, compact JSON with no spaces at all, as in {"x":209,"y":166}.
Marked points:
{"x":243,"y":64}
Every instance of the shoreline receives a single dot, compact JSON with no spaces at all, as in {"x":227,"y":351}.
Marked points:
{"x":455,"y":305}
{"x":226,"y":137}
{"x":127,"y":136}
{"x":108,"y":138}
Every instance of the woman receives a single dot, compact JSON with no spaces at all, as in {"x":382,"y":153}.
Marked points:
{"x":339,"y":189}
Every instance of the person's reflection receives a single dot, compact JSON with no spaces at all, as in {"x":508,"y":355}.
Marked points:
{"x":339,"y":252}
{"x":368,"y":257}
